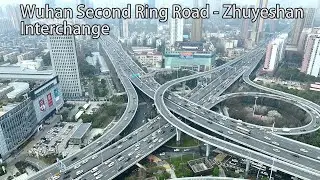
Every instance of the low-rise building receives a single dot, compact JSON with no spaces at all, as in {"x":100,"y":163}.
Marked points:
{"x":79,"y":135}
{"x":149,"y":59}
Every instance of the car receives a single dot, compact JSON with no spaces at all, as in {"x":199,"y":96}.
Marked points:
{"x":121,"y":158}
{"x":128,"y":159}
{"x":130,"y":154}
{"x":155,"y":140}
{"x":275,"y":143}
{"x":276,"y":150}
{"x":120,"y":168}
{"x":160,"y":140}
{"x":93,"y":170}
{"x":295,"y":155}
{"x":137,"y":144}
{"x":107,"y":162}
{"x":267,"y":138}
{"x":167,"y":125}
{"x":94,"y":156}
{"x":303,"y":150}
{"x":67,"y":176}
{"x":111,"y":164}
{"x":209,"y":122}
{"x":171,"y":130}
{"x":96,"y":173}
{"x":151,"y":146}
{"x":150,"y":140}
{"x":113,"y":147}
{"x":77,"y":166}
{"x":119,"y":147}
{"x":73,"y":158}
{"x":145,"y":139}
{"x":79,"y":172}
{"x":229,"y":132}
{"x":221,"y":123}
{"x":138,"y":155}
{"x":162,"y":154}
{"x":137,"y":148}
{"x":318,"y":157}
{"x":84,"y":161}
{"x":67,"y":172}
{"x":186,"y":150}
{"x":99,"y":176}
{"x":130,"y":137}
{"x":176,"y":150}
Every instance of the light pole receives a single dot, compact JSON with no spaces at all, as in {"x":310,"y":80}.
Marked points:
{"x":271,"y":168}
{"x":255,"y":104}
{"x":259,"y":171}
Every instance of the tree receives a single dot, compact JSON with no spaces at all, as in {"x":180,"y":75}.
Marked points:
{"x":215,"y":171}
{"x":103,"y":82}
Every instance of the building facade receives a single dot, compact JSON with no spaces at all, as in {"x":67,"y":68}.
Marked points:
{"x":275,"y":53}
{"x":197,"y":24}
{"x":176,"y":30}
{"x":311,"y":58}
{"x":16,"y":126}
{"x":65,"y":64}
{"x":150,"y":59}
{"x":196,"y":61}
{"x":258,"y":26}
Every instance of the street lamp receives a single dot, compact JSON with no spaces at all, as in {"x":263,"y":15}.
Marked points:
{"x":271,"y":168}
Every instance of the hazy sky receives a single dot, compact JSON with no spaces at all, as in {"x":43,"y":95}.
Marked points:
{"x":296,"y":3}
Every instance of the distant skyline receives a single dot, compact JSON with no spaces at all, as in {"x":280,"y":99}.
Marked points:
{"x":294,"y":3}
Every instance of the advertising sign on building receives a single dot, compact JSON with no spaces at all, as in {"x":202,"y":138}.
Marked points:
{"x":49,"y":98}
{"x":186,"y":55}
{"x":42,"y":105}
{"x":56,"y":94}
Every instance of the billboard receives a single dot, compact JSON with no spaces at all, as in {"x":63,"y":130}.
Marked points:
{"x":42,"y":105}
{"x":49,"y":98}
{"x":186,"y":55}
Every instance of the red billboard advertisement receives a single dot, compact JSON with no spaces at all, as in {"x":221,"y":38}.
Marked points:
{"x":49,"y":98}
{"x":186,"y":55}
{"x":42,"y":105}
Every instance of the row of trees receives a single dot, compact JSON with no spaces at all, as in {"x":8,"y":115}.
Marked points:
{"x":294,"y":74}
{"x":100,"y":89}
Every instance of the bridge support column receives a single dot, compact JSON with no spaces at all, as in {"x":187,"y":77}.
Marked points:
{"x":247,"y":167}
{"x":178,"y":136}
{"x":207,"y":150}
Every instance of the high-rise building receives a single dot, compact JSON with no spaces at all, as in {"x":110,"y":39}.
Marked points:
{"x":176,"y":30}
{"x":244,"y":29}
{"x":64,"y":62}
{"x":125,"y":28}
{"x":257,"y":31}
{"x":275,"y":53}
{"x":13,"y":12}
{"x":303,"y":38}
{"x":311,"y":58}
{"x":299,"y":24}
{"x":197,"y":24}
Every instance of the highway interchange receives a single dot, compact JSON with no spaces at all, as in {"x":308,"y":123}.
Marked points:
{"x":288,"y":162}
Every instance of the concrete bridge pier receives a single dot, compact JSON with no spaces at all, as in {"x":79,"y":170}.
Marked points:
{"x":178,"y":136}
{"x":207,"y":150}
{"x":247,"y":167}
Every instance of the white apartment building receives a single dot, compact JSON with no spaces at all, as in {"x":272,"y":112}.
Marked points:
{"x":149,"y":59}
{"x":65,"y":64}
{"x":176,"y":30}
{"x":275,"y":53}
{"x":311,"y":58}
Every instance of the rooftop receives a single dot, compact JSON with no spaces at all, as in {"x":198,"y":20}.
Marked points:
{"x":81,"y":131}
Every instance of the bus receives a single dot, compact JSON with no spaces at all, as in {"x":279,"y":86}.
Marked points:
{"x":243,"y":130}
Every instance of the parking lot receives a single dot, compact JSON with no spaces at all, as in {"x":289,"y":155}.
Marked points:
{"x":55,"y":140}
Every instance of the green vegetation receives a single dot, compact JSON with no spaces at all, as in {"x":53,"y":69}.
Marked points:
{"x":295,"y":75}
{"x":96,"y":136}
{"x":50,"y":158}
{"x":159,"y":172}
{"x":119,"y":99}
{"x":100,"y":88}
{"x":103,"y":116}
{"x":181,"y":167}
{"x":218,"y":44}
{"x":215,"y":171}
{"x":186,"y":141}
{"x":162,"y":78}
{"x":313,"y":96}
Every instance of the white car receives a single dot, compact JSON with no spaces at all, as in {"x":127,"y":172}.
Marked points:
{"x":138,"y":144}
{"x":94,"y":156}
{"x":138,"y":155}
{"x":276,"y":150}
{"x":79,"y":172}
{"x":176,"y":150}
{"x":303,"y":150}
{"x":121,"y":158}
{"x":160,"y":140}
{"x":145,"y":139}
{"x":84,"y":161}
{"x":119,"y":147}
{"x":130,"y":154}
{"x":267,"y":138}
{"x":137,"y":148}
{"x":111,"y":164}
{"x":93,"y":170}
{"x":275,"y":143}
{"x":155,"y":140}
{"x":151,"y":146}
{"x":186,"y":150}
{"x":162,"y":154}
{"x":229,"y":132}
{"x":107,"y":162}
{"x":96,"y":173}
{"x":221,"y":123}
{"x":99,"y":176}
{"x":77,"y":166}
